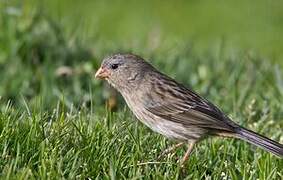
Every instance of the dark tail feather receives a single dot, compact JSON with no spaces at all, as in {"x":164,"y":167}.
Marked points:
{"x":260,"y":141}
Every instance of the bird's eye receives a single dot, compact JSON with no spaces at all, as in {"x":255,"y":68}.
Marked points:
{"x":114,"y":66}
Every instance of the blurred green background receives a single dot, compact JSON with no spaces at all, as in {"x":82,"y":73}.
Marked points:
{"x":53,"y":121}
{"x":38,"y":37}
{"x":242,"y":24}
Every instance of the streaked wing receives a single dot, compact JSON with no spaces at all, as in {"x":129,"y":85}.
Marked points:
{"x":179,"y":104}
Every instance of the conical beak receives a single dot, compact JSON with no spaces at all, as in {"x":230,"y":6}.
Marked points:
{"x":102,"y":73}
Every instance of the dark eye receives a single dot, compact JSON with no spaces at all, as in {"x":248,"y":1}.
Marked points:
{"x":114,"y":66}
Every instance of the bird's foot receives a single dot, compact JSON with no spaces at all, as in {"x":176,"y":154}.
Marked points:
{"x":170,"y":149}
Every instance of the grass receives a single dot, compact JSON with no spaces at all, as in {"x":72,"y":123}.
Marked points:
{"x":54,"y":125}
{"x":79,"y":144}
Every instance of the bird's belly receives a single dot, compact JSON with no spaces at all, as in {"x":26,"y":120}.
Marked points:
{"x":167,"y":128}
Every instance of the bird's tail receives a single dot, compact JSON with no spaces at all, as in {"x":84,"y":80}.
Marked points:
{"x":260,"y":141}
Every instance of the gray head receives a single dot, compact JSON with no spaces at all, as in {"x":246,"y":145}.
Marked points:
{"x":123,"y":71}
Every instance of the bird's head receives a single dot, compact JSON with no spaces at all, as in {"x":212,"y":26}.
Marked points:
{"x":123,"y":71}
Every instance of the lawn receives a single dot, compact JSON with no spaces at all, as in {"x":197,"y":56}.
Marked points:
{"x":54,"y":121}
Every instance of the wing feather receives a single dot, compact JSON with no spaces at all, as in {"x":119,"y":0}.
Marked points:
{"x":184,"y":106}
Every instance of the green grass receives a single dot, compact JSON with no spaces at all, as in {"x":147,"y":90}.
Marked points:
{"x":79,"y":144}
{"x":56,"y":126}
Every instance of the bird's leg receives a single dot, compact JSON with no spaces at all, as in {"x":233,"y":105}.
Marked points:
{"x":188,"y":152}
{"x":170,"y":149}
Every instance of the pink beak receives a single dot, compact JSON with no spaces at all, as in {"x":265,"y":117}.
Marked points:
{"x":102,"y":73}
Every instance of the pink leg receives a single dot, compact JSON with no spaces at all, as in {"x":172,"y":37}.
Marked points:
{"x":188,"y":152}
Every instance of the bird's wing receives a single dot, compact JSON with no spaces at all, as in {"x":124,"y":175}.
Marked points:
{"x":186,"y":107}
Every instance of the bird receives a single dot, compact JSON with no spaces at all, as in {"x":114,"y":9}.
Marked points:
{"x":170,"y":108}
